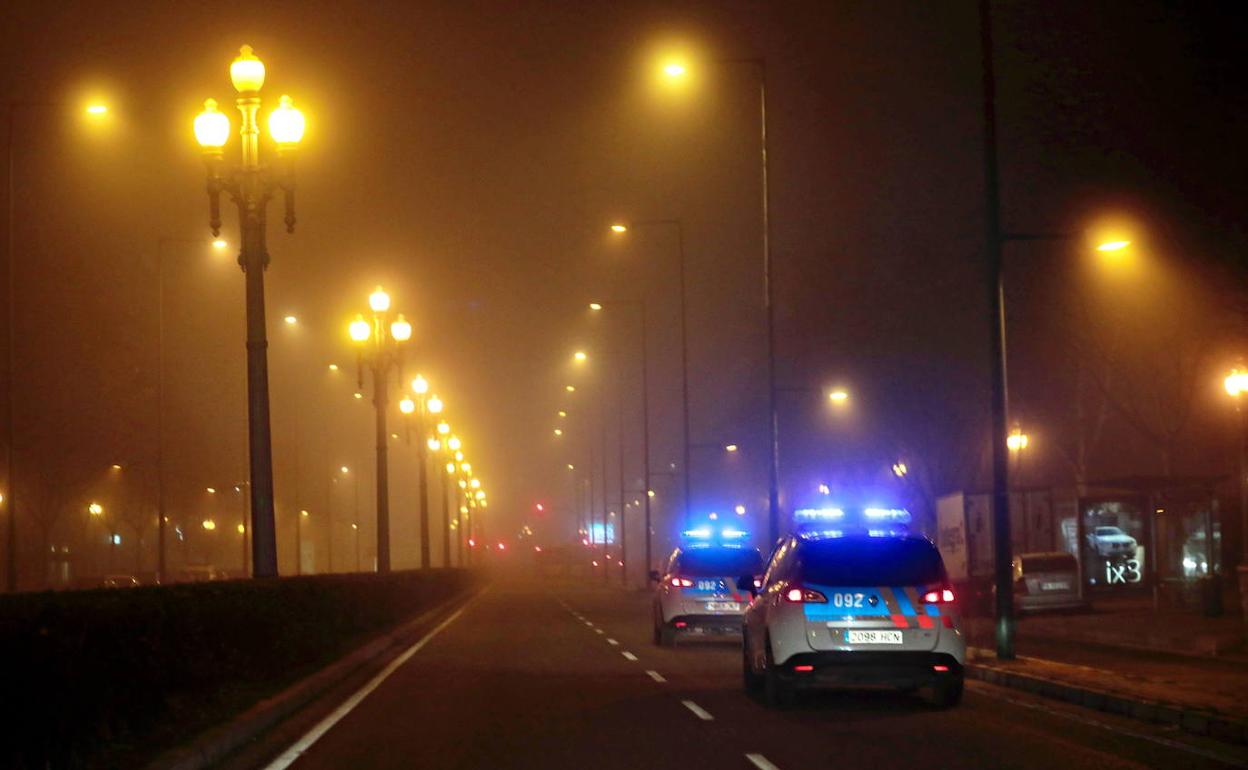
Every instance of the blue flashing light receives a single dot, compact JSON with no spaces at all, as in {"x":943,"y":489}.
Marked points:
{"x":819,"y":534}
{"x":897,"y":515}
{"x":701,"y":533}
{"x":732,"y":533}
{"x":818,"y":514}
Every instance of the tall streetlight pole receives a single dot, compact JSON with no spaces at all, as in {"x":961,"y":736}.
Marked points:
{"x":383,"y":357}
{"x":251,"y":185}
{"x":645,"y":413}
{"x":422,"y":406}
{"x":684,"y":347}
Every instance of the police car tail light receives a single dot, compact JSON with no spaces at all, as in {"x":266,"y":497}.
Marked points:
{"x":799,"y":595}
{"x":681,"y":582}
{"x":938,"y":596}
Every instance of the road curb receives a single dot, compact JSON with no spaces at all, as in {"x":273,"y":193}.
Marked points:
{"x":219,"y":742}
{"x":1195,"y":721}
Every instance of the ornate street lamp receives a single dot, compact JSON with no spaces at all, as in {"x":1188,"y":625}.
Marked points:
{"x":250,"y":185}
{"x":379,"y":343}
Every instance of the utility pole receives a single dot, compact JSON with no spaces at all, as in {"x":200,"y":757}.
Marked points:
{"x":1002,"y":551}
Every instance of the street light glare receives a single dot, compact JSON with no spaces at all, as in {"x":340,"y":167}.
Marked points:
{"x":570,"y":388}
{"x":209,"y":524}
{"x":1236,"y":382}
{"x":247,"y":71}
{"x":212,"y":127}
{"x":558,"y":431}
{"x":838,"y":396}
{"x":444,"y":428}
{"x":286,"y":124}
{"x":580,"y":356}
{"x":379,"y":300}
{"x":242,"y":529}
{"x":435,"y":405}
{"x":333,"y":367}
{"x":401,"y":329}
{"x":453,"y":443}
{"x":595,"y":306}
{"x":345,"y":470}
{"x":97,"y":109}
{"x":291,"y":320}
{"x":95,"y":509}
{"x":407,"y":406}
{"x":675,"y":70}
{"x":359,"y":329}
{"x":220,"y":244}
{"x":731,"y":448}
{"x":420,"y":386}
{"x":211,"y":490}
{"x":434,"y":445}
{"x":1113,"y":246}
{"x":619,"y":228}
{"x":1017,"y":440}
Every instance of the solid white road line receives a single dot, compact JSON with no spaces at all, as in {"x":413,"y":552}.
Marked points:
{"x":628,"y":655}
{"x":612,"y":642}
{"x":293,"y":753}
{"x":759,"y":761}
{"x":656,"y":676}
{"x":698,"y":711}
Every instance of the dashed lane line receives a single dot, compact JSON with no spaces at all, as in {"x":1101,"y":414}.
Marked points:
{"x":628,"y":655}
{"x":698,"y":711}
{"x":612,"y":642}
{"x":761,"y":762}
{"x":599,"y":631}
{"x":656,"y":676}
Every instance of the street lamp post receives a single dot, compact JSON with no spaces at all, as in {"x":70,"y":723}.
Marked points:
{"x":645,"y":417}
{"x":251,"y":185}
{"x":684,"y":350}
{"x":383,"y":358}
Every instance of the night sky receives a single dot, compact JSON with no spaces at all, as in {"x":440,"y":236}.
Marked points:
{"x":469,"y":156}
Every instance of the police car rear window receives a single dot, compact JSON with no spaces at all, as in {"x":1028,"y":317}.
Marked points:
{"x":870,"y":562}
{"x":717,"y":562}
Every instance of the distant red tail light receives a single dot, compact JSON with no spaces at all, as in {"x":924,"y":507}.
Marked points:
{"x":804,"y":669}
{"x":940,"y":669}
{"x":939,"y":596}
{"x":680,"y":624}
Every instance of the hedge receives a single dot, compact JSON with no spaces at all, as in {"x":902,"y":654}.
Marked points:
{"x":93,"y":677}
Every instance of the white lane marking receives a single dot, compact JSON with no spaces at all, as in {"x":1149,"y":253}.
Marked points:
{"x":656,"y":676}
{"x":698,"y":711}
{"x":293,"y":753}
{"x":1081,"y":719}
{"x":761,"y":762}
{"x":628,"y":655}
{"x":599,"y":631}
{"x":591,"y":625}
{"x":612,"y":642}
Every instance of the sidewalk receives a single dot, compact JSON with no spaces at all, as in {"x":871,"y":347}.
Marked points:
{"x":1125,"y":658}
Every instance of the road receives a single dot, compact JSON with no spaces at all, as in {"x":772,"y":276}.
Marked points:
{"x":557,"y":675}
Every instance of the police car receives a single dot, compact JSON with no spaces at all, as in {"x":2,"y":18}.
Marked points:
{"x":697,"y":592}
{"x":852,"y":599}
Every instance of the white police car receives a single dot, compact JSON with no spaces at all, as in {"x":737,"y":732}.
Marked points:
{"x":851,"y":599}
{"x":697,"y":593}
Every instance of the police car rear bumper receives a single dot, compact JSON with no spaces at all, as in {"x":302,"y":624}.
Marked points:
{"x":707,"y":624}
{"x":892,"y":669}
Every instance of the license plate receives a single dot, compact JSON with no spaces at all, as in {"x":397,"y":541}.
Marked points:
{"x":873,"y":637}
{"x":1055,"y":586}
{"x":723,"y":606}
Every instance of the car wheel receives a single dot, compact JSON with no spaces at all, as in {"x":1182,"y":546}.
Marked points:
{"x":667,"y":636}
{"x":749,"y":679}
{"x":947,"y":693}
{"x":777,"y":692}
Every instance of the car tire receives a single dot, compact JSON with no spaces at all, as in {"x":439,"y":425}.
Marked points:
{"x":947,"y":693}
{"x":749,"y":678}
{"x":777,"y":692}
{"x":667,"y":636}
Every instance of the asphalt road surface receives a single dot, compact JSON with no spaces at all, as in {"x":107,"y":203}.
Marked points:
{"x":533,"y":674}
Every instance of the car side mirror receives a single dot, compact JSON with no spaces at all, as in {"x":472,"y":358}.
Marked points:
{"x":655,"y":576}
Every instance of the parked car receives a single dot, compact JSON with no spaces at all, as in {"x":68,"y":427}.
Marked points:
{"x":120,"y":581}
{"x":1046,"y":581}
{"x":1108,"y":542}
{"x":201,"y":573}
